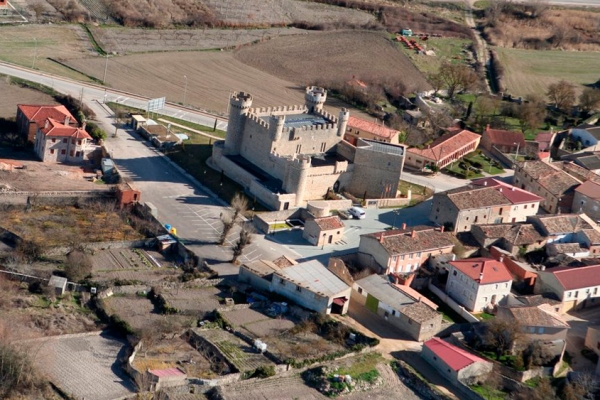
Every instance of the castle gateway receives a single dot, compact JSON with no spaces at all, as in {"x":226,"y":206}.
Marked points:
{"x":285,"y":156}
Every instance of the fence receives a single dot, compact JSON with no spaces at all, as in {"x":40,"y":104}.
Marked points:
{"x":452,"y":304}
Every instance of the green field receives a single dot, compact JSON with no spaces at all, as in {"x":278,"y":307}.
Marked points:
{"x":531,"y":71}
{"x":445,"y":49}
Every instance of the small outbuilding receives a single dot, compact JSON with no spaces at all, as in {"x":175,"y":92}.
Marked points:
{"x":454,"y":363}
{"x":324,"y":230}
{"x":59,"y":284}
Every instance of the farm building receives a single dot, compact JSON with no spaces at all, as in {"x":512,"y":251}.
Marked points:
{"x":58,"y":284}
{"x":503,"y":141}
{"x":360,"y":129}
{"x":324,"y":230}
{"x":456,"y":364}
{"x":400,"y":305}
{"x":444,"y":150}
{"x":286,"y":156}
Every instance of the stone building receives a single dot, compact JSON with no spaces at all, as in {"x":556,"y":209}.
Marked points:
{"x":510,"y":237}
{"x":444,"y":150}
{"x":285,"y":156}
{"x":554,"y":185}
{"x":397,"y":304}
{"x":324,"y":230}
{"x":360,"y":129}
{"x":32,"y":117}
{"x":504,"y":141}
{"x":57,"y":142}
{"x":404,"y":250}
{"x":575,"y":287}
{"x":483,"y":201}
{"x":478,"y":283}
{"x":587,"y":199}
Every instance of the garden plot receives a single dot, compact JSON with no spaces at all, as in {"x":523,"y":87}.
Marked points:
{"x":139,"y":313}
{"x":276,"y":388}
{"x":301,"y":346}
{"x":193,"y":301}
{"x":239,"y":353}
{"x":257,"y":324}
{"x":131,"y":265}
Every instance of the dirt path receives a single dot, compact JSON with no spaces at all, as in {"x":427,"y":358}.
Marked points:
{"x":483,"y":53}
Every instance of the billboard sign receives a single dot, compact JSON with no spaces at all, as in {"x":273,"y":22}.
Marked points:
{"x":156,"y":104}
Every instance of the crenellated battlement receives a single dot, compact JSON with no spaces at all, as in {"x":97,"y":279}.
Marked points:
{"x":240,"y":100}
{"x":281,"y":110}
{"x":257,"y":120}
{"x":327,"y":115}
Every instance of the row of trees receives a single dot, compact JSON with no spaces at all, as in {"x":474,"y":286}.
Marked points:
{"x":239,"y":205}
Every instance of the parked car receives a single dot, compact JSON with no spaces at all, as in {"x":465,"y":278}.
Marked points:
{"x":357,"y":212}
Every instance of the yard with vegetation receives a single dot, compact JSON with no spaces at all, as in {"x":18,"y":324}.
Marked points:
{"x":452,"y":49}
{"x":474,"y":165}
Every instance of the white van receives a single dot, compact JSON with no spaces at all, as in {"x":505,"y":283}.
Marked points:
{"x":357,"y":212}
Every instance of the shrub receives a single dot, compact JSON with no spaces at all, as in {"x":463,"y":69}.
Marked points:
{"x":17,"y":374}
{"x":95,"y":131}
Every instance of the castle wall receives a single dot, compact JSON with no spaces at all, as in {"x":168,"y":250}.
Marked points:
{"x":309,"y":140}
{"x":281,"y":110}
{"x":346,"y":150}
{"x":376,"y":173}
{"x":256,"y":147}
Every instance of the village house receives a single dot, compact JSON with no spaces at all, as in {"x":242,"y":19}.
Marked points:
{"x":513,"y":238}
{"x":259,"y":273}
{"x":587,"y":199}
{"x":401,"y":251}
{"x":575,"y":287}
{"x":323,"y":230}
{"x":455,"y":364}
{"x":444,"y":150}
{"x":538,"y":323}
{"x":400,"y":305}
{"x":478,"y":283}
{"x":483,"y":201}
{"x":32,"y":117}
{"x":415,"y":118}
{"x":587,"y":134}
{"x":554,"y":185}
{"x":589,"y":160}
{"x":523,"y":273}
{"x":57,"y":142}
{"x":360,"y":129}
{"x":503,"y":141}
{"x":592,"y":342}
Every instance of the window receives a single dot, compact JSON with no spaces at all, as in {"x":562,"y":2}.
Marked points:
{"x":596,"y":290}
{"x":568,"y":294}
{"x":467,"y":218}
{"x":454,"y":272}
{"x":53,"y":140}
{"x":476,"y":219}
{"x":435,"y":358}
{"x":282,"y":281}
{"x":541,"y":330}
{"x":386,"y":314}
{"x":72,"y":141}
{"x":77,"y":154}
{"x":51,"y":151}
{"x":71,"y":153}
{"x":402,"y":257}
{"x":298,"y":288}
{"x":323,"y":147}
{"x":393,"y":313}
{"x":485,"y":299}
{"x":79,"y":142}
{"x":65,"y":140}
{"x":576,"y":293}
{"x":63,"y":151}
{"x":410,"y":256}
{"x":360,"y":290}
{"x":500,"y":213}
{"x":419,"y":254}
{"x":525,"y":206}
{"x":298,"y":149}
{"x":394,"y":258}
{"x":496,"y":286}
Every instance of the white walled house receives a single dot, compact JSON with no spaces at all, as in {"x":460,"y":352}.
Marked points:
{"x":60,"y":142}
{"x":478,"y":283}
{"x":575,"y":287}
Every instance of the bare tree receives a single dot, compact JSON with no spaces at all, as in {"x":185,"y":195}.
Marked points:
{"x":562,"y":95}
{"x":589,"y":100}
{"x":538,"y":7}
{"x":78,"y":265}
{"x":536,"y":354}
{"x":228,"y":223}
{"x":456,"y":77}
{"x":494,"y":11}
{"x":239,"y":204}
{"x":245,"y":239}
{"x":500,"y":336}
{"x":532,"y":113}
{"x":38,"y":9}
{"x":17,"y":374}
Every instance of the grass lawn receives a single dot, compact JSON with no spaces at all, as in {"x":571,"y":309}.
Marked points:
{"x":363,"y":367}
{"x":445,"y":49}
{"x":484,"y":316}
{"x":456,"y":169}
{"x":531,"y":71}
{"x":489,"y":394}
{"x":486,"y":165}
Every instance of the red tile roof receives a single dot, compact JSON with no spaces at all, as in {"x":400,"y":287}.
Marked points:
{"x":544,"y":139}
{"x":504,"y":138}
{"x":512,"y":193}
{"x":453,"y":356}
{"x":371,"y":127}
{"x":493,"y":271}
{"x":426,"y":238}
{"x":162,"y":373}
{"x":329,"y":223}
{"x":57,"y":129}
{"x":579,"y":277}
{"x":589,"y":189}
{"x":447,"y":145}
{"x":39,"y":114}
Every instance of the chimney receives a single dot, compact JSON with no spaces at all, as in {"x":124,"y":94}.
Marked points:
{"x":487,"y":127}
{"x":413,"y":234}
{"x":67,"y":120}
{"x":381,"y":238}
{"x":484,"y":183}
{"x":480,"y":277}
{"x":404,"y":226}
{"x":501,"y":258}
{"x":442,"y":228}
{"x":512,"y":188}
{"x":47,"y":124}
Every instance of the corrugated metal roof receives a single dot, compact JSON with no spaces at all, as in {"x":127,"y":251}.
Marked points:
{"x":315,"y":277}
{"x":453,"y":356}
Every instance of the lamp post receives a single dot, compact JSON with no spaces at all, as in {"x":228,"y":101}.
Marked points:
{"x":517,"y":153}
{"x":105,"y":69}
{"x":185,"y":89}
{"x":34,"y":53}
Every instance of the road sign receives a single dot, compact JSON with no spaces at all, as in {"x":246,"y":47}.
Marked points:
{"x":156,"y":104}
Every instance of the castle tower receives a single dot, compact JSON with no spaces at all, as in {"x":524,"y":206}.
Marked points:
{"x":314,"y":98}
{"x":239,"y":105}
{"x":343,"y":122}
{"x":276,"y":126}
{"x":297,"y":177}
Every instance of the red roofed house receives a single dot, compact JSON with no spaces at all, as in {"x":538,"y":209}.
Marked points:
{"x":401,"y":251}
{"x":162,"y":378}
{"x":484,"y":201}
{"x":454,"y":363}
{"x":575,"y":287}
{"x":444,"y":150}
{"x":324,"y":230}
{"x":32,"y":117}
{"x":587,"y":199}
{"x":478,"y":283}
{"x":504,"y":141}
{"x":360,"y":129}
{"x":57,"y":142}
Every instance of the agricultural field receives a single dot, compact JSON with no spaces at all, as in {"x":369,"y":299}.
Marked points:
{"x":238,"y":352}
{"x":131,"y":265}
{"x":303,"y":59}
{"x":13,"y":95}
{"x":275,"y":388}
{"x":24,"y":44}
{"x":139,"y":313}
{"x":61,"y":226}
{"x":193,"y":301}
{"x":256,"y":324}
{"x":454,"y":50}
{"x":529,"y":72}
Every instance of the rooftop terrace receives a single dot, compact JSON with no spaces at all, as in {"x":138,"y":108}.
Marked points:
{"x":301,"y":120}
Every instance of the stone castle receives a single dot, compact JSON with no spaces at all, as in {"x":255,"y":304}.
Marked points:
{"x":285,"y":156}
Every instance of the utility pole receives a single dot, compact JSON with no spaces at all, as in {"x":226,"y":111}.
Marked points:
{"x":105,"y":69}
{"x":81,"y":98}
{"x":34,"y":53}
{"x":185,"y":89}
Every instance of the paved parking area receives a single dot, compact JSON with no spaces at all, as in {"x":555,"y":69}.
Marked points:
{"x":579,"y":322}
{"x":85,"y":365}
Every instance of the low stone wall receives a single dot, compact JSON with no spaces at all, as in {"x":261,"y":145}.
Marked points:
{"x":322,"y":208}
{"x":53,"y":198}
{"x":121,"y":244}
{"x":452,"y":304}
{"x":503,"y":158}
{"x":383,"y":203}
{"x":411,"y":379}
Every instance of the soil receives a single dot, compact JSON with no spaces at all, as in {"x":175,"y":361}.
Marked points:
{"x":139,"y":313}
{"x":334,"y":56}
{"x":13,"y":95}
{"x":110,"y":265}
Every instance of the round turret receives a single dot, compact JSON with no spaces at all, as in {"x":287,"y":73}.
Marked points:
{"x":240,"y":104}
{"x":240,"y":100}
{"x":343,"y":121}
{"x":315,"y":98}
